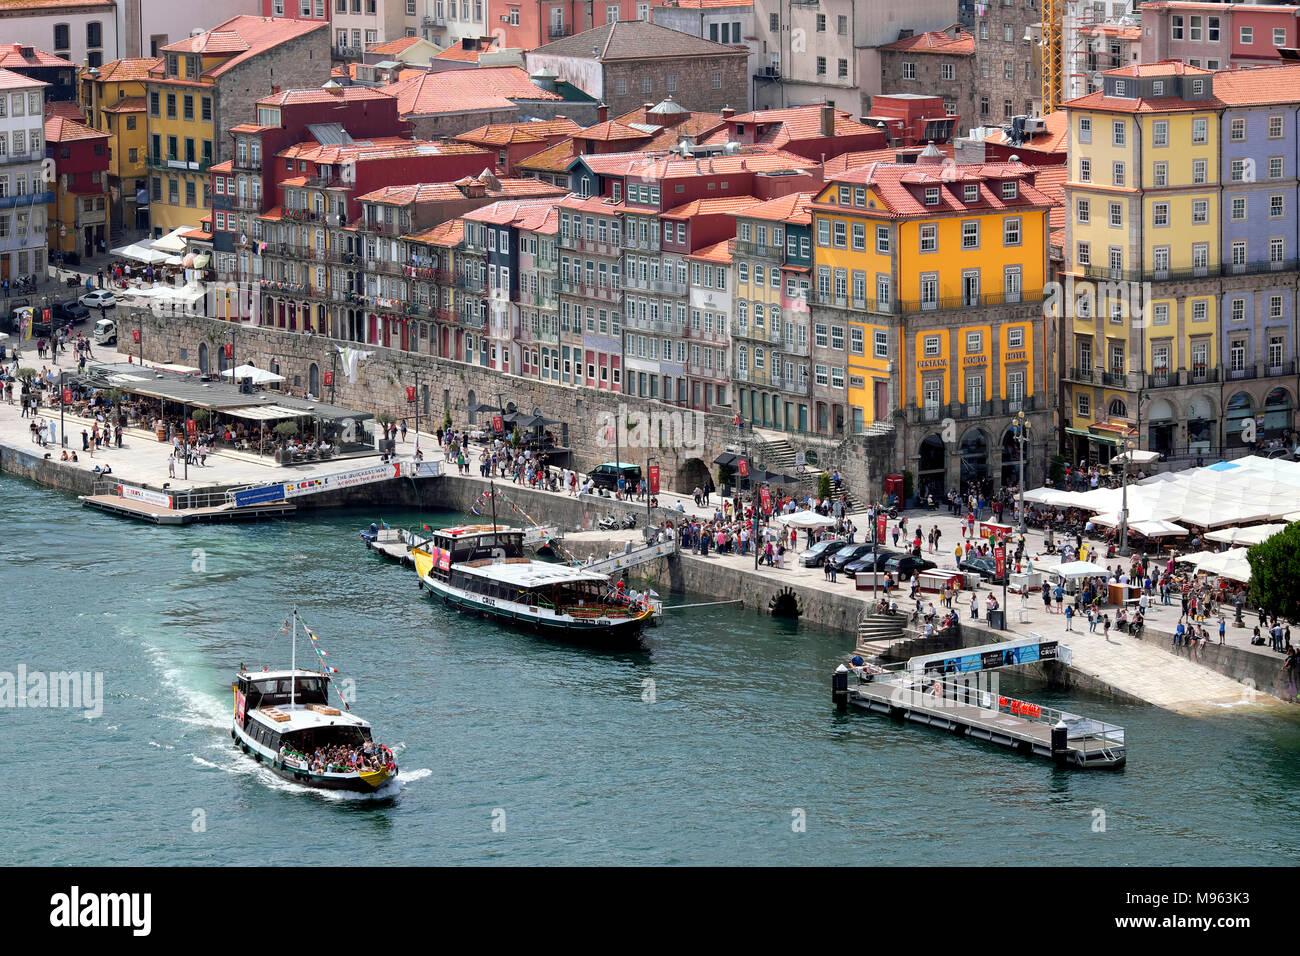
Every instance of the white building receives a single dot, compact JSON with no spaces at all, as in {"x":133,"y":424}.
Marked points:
{"x":83,"y":31}
{"x":24,"y":193}
{"x":146,"y":26}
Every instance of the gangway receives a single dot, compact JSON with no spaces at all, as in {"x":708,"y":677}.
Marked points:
{"x":637,"y":556}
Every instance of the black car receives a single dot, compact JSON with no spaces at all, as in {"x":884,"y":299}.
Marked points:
{"x":987,"y":568}
{"x":819,"y":552}
{"x":846,"y":556}
{"x":864,"y":563}
{"x":71,"y":311}
{"x":905,"y":565}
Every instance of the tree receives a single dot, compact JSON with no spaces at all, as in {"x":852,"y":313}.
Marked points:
{"x":824,"y":485}
{"x":286,"y":429}
{"x":1274,"y":571}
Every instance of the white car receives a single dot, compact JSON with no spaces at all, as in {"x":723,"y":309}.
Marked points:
{"x":99,"y":298}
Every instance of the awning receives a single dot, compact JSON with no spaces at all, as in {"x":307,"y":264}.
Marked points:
{"x":261,"y":413}
{"x":726,"y":458}
{"x":140,"y":253}
{"x":171,"y":244}
{"x":260,"y":376}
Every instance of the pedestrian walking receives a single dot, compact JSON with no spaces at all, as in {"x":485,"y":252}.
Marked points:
{"x":1069,"y":617}
{"x":171,"y":464}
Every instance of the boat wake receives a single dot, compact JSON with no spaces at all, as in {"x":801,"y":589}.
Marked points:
{"x":240,"y":765}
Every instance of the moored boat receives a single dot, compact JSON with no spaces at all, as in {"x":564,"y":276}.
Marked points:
{"x":482,"y":569}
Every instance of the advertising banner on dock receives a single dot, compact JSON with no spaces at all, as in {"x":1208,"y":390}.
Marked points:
{"x":991,"y":659}
{"x":344,"y":479}
{"x":158,"y":498}
{"x":259,"y":496}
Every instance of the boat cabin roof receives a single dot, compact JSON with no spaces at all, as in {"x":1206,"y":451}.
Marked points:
{"x":531,"y":574}
{"x":474,"y":530}
{"x":274,"y":675}
{"x":307,"y":717}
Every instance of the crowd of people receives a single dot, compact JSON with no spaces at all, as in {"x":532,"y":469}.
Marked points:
{"x":340,"y":758}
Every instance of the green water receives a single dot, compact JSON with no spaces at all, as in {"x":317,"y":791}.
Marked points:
{"x":739,"y":744}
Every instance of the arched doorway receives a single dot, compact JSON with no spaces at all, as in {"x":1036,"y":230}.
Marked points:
{"x":203,"y":357}
{"x":472,"y":403}
{"x":1277,"y":413}
{"x":931,"y":467}
{"x":1011,"y":459}
{"x":1240,"y":409}
{"x":313,"y":380}
{"x":1160,"y":431}
{"x":974,"y":459}
{"x":691,"y":475}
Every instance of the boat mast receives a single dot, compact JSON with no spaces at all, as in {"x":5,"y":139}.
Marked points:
{"x":293,"y":661}
{"x":492,"y":490}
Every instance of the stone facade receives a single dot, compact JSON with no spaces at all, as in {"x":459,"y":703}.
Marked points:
{"x":300,"y":63}
{"x":693,"y":82}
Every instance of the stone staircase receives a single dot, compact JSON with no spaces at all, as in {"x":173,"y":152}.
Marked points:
{"x":878,"y":632}
{"x":778,"y":454}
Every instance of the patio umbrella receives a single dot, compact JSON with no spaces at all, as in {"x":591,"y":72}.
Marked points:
{"x":1157,"y":528}
{"x":807,"y":519}
{"x":1253,"y":535}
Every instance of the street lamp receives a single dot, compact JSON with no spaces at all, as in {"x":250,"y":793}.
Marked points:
{"x":1127,"y":445}
{"x":1022,"y":436}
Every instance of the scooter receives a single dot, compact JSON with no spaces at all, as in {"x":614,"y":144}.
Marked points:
{"x":608,"y":523}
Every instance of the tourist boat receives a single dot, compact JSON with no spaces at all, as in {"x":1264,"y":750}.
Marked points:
{"x":283,"y":717}
{"x":482,"y":569}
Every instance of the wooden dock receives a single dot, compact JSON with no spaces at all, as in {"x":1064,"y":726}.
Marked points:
{"x":157,"y":514}
{"x":958,"y":705}
{"x":391,"y":544}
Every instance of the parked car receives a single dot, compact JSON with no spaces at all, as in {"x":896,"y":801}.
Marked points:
{"x":70,"y":311}
{"x":845,"y":556}
{"x":820,"y":551}
{"x":869,"y":562}
{"x":905,"y":565}
{"x":98,"y":298}
{"x":987,"y":568}
{"x":105,"y":332}
{"x":606,"y":475}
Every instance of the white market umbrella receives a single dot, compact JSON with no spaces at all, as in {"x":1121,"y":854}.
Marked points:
{"x":1137,"y":455}
{"x":807,"y":519}
{"x":1071,"y":570}
{"x":260,"y":376}
{"x":1247,"y":536}
{"x":1157,"y":528}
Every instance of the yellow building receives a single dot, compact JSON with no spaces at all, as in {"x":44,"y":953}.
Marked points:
{"x":112,"y":97}
{"x":1142,"y":248}
{"x":939,"y":271}
{"x":204,"y":85}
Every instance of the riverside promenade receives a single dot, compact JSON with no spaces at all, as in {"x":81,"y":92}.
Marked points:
{"x":1205,"y":680}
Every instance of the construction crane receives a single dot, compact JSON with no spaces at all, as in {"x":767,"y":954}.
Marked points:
{"x":1053,"y":73}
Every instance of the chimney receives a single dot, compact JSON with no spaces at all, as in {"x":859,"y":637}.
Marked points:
{"x":274,"y":90}
{"x":828,"y":120}
{"x":602,"y":113}
{"x":728,"y":112}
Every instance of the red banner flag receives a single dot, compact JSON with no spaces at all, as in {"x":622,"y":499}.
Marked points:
{"x":135,"y":336}
{"x":882,"y":525}
{"x":329,"y":378}
{"x":192,"y":426}
{"x":230,"y":351}
{"x":766,"y":497}
{"x":410,"y":393}
{"x":497,"y":423}
{"x":67,"y":396}
{"x":1000,"y":559}
{"x":742,"y":467}
{"x":653,"y":471}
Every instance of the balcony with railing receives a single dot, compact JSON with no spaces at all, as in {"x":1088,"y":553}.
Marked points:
{"x":792,"y":386}
{"x":596,"y":247}
{"x":558,"y":30}
{"x":1231,"y":374}
{"x":649,"y":244}
{"x":297,"y":290}
{"x":663,"y":286}
{"x":383,"y":266}
{"x":348,"y":52}
{"x":589,"y":290}
{"x":1272,"y":371}
{"x":22,"y":156}
{"x":433,"y":22}
{"x":176,"y":164}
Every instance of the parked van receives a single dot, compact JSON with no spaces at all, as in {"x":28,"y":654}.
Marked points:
{"x":606,"y":475}
{"x":105,"y":332}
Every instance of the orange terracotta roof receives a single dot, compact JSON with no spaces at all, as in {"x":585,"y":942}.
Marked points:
{"x":1054,"y":140}
{"x":386,"y":147}
{"x":458,"y":51}
{"x":796,"y":123}
{"x":413,"y":193}
{"x":60,"y":129}
{"x":553,"y":160}
{"x":65,"y":109}
{"x":11,"y":57}
{"x":1160,"y":68}
{"x":200,"y":235}
{"x":248,"y":128}
{"x":128,"y":104}
{"x":708,"y":4}
{"x":393,"y":47}
{"x":502,"y":134}
{"x":755,"y":159}
{"x":243,"y":37}
{"x":889,"y":154}
{"x":935,"y":41}
{"x":525,"y":213}
{"x":900,"y":187}
{"x":1259,"y":86}
{"x":128,"y":70}
{"x":710,"y":207}
{"x":462,"y":91}
{"x":610,"y":132}
{"x":781,"y":209}
{"x":448,"y":233}
{"x":334,"y":94}
{"x":1051,"y":181}
{"x":592,"y":204}
{"x":228,"y":166}
{"x":1119,"y":104}
{"x":9,"y":80}
{"x":718,"y":252}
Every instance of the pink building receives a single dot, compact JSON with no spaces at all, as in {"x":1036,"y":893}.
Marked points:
{"x":1218,"y":36}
